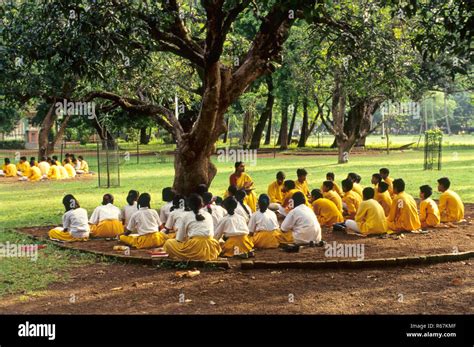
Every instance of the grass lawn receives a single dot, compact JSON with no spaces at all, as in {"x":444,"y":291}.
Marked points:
{"x":32,"y":204}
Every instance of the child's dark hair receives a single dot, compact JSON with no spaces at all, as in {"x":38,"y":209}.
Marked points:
{"x":298,"y":199}
{"x":195,"y":204}
{"x":144,"y":200}
{"x":368,"y":193}
{"x":377,"y":176}
{"x":132,"y":196}
{"x":207,"y":199}
{"x":167,"y":194}
{"x":7,"y":161}
{"x":232,"y":190}
{"x":347,"y":184}
{"x":230,"y":204}
{"x":301,"y":172}
{"x":178,"y":202}
{"x":399,"y":185}
{"x":352,"y":176}
{"x":426,"y":190}
{"x":280,"y":175}
{"x":23,"y":158}
{"x":358,"y":178}
{"x":70,"y":202}
{"x":219,"y":200}
{"x":240,"y":196}
{"x":263,"y":202}
{"x":384,"y":171}
{"x":445,"y":182}
{"x":107,"y":199}
{"x":289,"y":184}
{"x":201,"y":189}
{"x":330,"y":174}
{"x":237,"y":164}
{"x":316,"y":194}
{"x":383,"y":186}
{"x":328,"y":184}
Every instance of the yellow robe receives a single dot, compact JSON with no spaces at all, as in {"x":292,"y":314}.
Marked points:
{"x":235,"y":245}
{"x":54,"y":173}
{"x":9,"y":170}
{"x":335,"y":198}
{"x":451,"y":207}
{"x":357,"y":188}
{"x":429,"y":213}
{"x":275,"y":193}
{"x":266,"y":239}
{"x":84,"y":166}
{"x":35,"y":174}
{"x":156,"y":239}
{"x":389,"y":181}
{"x":288,"y":195}
{"x":63,"y":172}
{"x":327,"y":212}
{"x":63,"y":236}
{"x":384,"y":200}
{"x":403,"y":214}
{"x":107,"y":228}
{"x":370,"y":218}
{"x":251,"y":198}
{"x":303,"y":187}
{"x":71,"y":172}
{"x":352,"y":201}
{"x":197,"y":248}
{"x":24,"y":168}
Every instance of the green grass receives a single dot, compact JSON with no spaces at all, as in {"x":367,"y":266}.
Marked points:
{"x":26,"y":276}
{"x":31,"y":204}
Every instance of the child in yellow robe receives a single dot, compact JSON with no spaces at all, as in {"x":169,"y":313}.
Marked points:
{"x":242,"y":180}
{"x":44,"y":167}
{"x":34,"y":175}
{"x":23,"y":167}
{"x":370,"y":217}
{"x":383,"y":197}
{"x":8,"y":169}
{"x":195,"y":237}
{"x":451,"y":206}
{"x":55,"y":159}
{"x":331,"y":194}
{"x":234,"y":231}
{"x":326,"y":211}
{"x":275,"y":189}
{"x":146,"y":223}
{"x":351,"y":200}
{"x":403,"y":214}
{"x":331,"y":177}
{"x":385,"y":173}
{"x":263,"y":225}
{"x":289,"y":189}
{"x":429,"y":212}
{"x":301,"y":183}
{"x":356,"y":187}
{"x":63,"y":172}
{"x":53,"y":172}
{"x":71,"y":172}
{"x":106,"y":220}
{"x":75,"y":226}
{"x":376,"y":179}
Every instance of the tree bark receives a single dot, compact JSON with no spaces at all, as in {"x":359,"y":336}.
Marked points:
{"x":43,"y":136}
{"x":144,"y":138}
{"x":283,"y":136}
{"x":266,"y":114}
{"x":304,"y":126}
{"x":292,"y":123}
{"x":268,"y":135}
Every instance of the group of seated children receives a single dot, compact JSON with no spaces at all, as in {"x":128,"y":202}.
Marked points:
{"x":47,"y":168}
{"x":202,"y":226}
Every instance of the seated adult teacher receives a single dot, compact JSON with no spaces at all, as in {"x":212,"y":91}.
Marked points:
{"x":242,"y":180}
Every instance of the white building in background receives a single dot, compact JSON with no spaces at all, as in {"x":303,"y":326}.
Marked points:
{"x":23,"y":131}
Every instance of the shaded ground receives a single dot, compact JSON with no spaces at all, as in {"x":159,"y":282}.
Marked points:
{"x":133,"y":289}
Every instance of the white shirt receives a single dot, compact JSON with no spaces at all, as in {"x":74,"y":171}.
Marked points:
{"x":78,"y":165}
{"x":165,"y":211}
{"x":304,"y":224}
{"x":145,"y":220}
{"x":44,"y":167}
{"x":231,"y":225}
{"x":75,"y":221}
{"x":174,"y":218}
{"x":240,"y":210}
{"x":189,"y":226}
{"x":263,"y":221}
{"x":218,"y":212}
{"x":128,"y":211}
{"x":104,"y":212}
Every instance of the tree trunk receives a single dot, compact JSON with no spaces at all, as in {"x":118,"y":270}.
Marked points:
{"x":268,"y":135}
{"x":292,"y":123}
{"x":266,"y":114}
{"x":144,"y":138}
{"x":247,"y":129}
{"x":107,"y":139}
{"x":283,"y":136}
{"x":227,"y":131}
{"x":304,"y":125}
{"x":43,"y":136}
